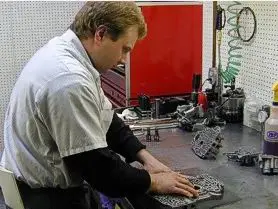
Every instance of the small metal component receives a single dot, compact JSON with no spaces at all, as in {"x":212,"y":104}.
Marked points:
{"x":212,"y":118}
{"x":266,"y":168}
{"x":186,"y":115}
{"x":246,"y":156}
{"x":268,"y":164}
{"x":157,"y":103}
{"x":190,"y":118}
{"x":148,"y":135}
{"x":207,"y":142}
{"x":156,"y":135}
{"x":143,"y":125}
{"x":231,"y":109}
{"x":275,"y":166}
{"x":143,"y":114}
{"x":144,"y":102}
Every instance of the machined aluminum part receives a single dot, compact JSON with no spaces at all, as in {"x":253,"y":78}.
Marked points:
{"x":268,"y":164}
{"x":246,"y":156}
{"x":206,"y":143}
{"x":209,"y":189}
{"x":143,"y":125}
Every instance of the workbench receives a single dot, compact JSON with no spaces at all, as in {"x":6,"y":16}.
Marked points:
{"x":253,"y":190}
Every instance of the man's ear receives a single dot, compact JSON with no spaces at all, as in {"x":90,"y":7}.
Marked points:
{"x":100,"y":32}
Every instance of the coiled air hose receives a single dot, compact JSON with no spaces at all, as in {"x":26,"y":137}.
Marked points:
{"x":233,"y":60}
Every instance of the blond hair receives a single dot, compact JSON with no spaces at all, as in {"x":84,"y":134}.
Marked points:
{"x":116,"y":16}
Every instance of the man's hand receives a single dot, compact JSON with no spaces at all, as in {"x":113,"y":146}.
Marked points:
{"x":151,"y":164}
{"x":172,"y":183}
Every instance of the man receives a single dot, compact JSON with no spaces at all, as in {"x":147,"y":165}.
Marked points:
{"x":59,"y":127}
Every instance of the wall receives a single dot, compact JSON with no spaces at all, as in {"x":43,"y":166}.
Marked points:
{"x":259,"y":62}
{"x":207,"y":37}
{"x":26,"y":26}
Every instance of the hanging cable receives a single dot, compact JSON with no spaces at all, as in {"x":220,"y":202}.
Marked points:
{"x":246,"y":10}
{"x":219,"y":27}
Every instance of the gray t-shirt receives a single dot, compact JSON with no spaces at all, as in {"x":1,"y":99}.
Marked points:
{"x":57,"y":108}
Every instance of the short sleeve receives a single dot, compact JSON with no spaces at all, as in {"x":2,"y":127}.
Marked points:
{"x":72,"y":116}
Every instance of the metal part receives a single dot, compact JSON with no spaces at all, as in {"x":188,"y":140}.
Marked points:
{"x":246,"y":156}
{"x":157,"y":103}
{"x":268,"y":164}
{"x":153,"y":127}
{"x":187,"y":111}
{"x":232,"y":110}
{"x":275,"y":166}
{"x":138,"y":133}
{"x":144,"y":102}
{"x":212,"y":119}
{"x":262,"y":117}
{"x":186,"y":116}
{"x":168,"y":105}
{"x":196,"y":83}
{"x":209,"y":189}
{"x":151,"y":121}
{"x":232,"y":104}
{"x":143,"y":125}
{"x":148,"y":135}
{"x":191,"y":118}
{"x":156,"y":135}
{"x":206,"y":143}
{"x":143,"y":114}
{"x":213,"y":76}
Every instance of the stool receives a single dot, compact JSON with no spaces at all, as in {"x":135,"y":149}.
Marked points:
{"x":10,"y":190}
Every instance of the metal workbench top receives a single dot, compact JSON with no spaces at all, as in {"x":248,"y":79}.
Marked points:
{"x":255,"y":190}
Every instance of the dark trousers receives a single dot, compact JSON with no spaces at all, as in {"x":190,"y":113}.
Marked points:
{"x":82,"y":197}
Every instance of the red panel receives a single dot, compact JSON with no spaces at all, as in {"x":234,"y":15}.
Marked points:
{"x":164,"y":62}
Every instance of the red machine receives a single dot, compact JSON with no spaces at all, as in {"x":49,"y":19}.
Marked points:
{"x":164,"y":62}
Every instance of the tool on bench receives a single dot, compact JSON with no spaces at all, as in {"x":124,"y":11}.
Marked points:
{"x":231,"y":109}
{"x":246,"y":156}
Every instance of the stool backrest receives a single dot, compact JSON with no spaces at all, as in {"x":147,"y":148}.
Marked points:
{"x":10,"y":190}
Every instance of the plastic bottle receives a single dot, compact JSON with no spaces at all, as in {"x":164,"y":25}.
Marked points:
{"x":270,"y":146}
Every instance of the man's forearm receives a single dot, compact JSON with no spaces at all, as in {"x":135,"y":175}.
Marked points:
{"x":143,"y":156}
{"x":122,"y":140}
{"x":107,"y":173}
{"x":151,"y":164}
